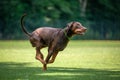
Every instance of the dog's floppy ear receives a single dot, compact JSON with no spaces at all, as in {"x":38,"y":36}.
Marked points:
{"x":69,"y":25}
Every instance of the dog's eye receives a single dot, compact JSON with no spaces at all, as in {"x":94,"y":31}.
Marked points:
{"x":35,"y":39}
{"x":77,"y":26}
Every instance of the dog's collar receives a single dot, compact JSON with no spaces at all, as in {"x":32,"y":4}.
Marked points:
{"x":66,"y":34}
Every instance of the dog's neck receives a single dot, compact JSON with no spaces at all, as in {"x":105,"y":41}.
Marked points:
{"x":67,"y":33}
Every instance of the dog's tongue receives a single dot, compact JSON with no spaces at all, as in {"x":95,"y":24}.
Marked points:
{"x":82,"y":33}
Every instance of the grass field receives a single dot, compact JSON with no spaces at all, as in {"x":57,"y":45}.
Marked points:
{"x":81,"y":60}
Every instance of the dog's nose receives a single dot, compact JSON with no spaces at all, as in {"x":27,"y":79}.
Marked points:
{"x":85,"y":29}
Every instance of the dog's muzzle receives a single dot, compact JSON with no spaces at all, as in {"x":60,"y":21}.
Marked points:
{"x":81,"y":31}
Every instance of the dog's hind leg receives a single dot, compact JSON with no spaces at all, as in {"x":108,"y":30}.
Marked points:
{"x":39,"y":56}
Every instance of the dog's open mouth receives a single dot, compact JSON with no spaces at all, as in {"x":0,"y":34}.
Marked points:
{"x":81,"y":31}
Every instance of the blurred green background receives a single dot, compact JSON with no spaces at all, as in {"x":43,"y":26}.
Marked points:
{"x":101,"y":17}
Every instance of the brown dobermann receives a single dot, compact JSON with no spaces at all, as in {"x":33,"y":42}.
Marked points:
{"x":55,"y":39}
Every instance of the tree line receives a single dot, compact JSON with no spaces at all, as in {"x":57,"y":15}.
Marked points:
{"x":101,"y":17}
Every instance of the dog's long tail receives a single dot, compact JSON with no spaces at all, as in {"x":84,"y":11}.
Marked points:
{"x":23,"y":27}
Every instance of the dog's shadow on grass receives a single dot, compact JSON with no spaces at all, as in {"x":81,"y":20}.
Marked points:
{"x":19,"y":71}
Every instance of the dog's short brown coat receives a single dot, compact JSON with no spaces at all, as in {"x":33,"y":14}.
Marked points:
{"x":55,"y":39}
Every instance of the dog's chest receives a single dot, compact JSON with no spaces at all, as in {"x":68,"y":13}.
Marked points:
{"x":60,"y":43}
{"x":61,"y":46}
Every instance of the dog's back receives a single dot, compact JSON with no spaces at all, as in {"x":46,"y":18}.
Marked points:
{"x":43,"y":36}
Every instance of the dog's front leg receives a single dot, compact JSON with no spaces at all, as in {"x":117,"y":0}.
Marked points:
{"x":53,"y":57}
{"x":50,"y":52}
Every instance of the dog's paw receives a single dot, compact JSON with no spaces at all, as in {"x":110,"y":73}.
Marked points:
{"x":44,"y":67}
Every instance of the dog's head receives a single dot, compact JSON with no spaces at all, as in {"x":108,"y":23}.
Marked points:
{"x":76,"y":28}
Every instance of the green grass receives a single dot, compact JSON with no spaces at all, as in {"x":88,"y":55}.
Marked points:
{"x":81,"y":60}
